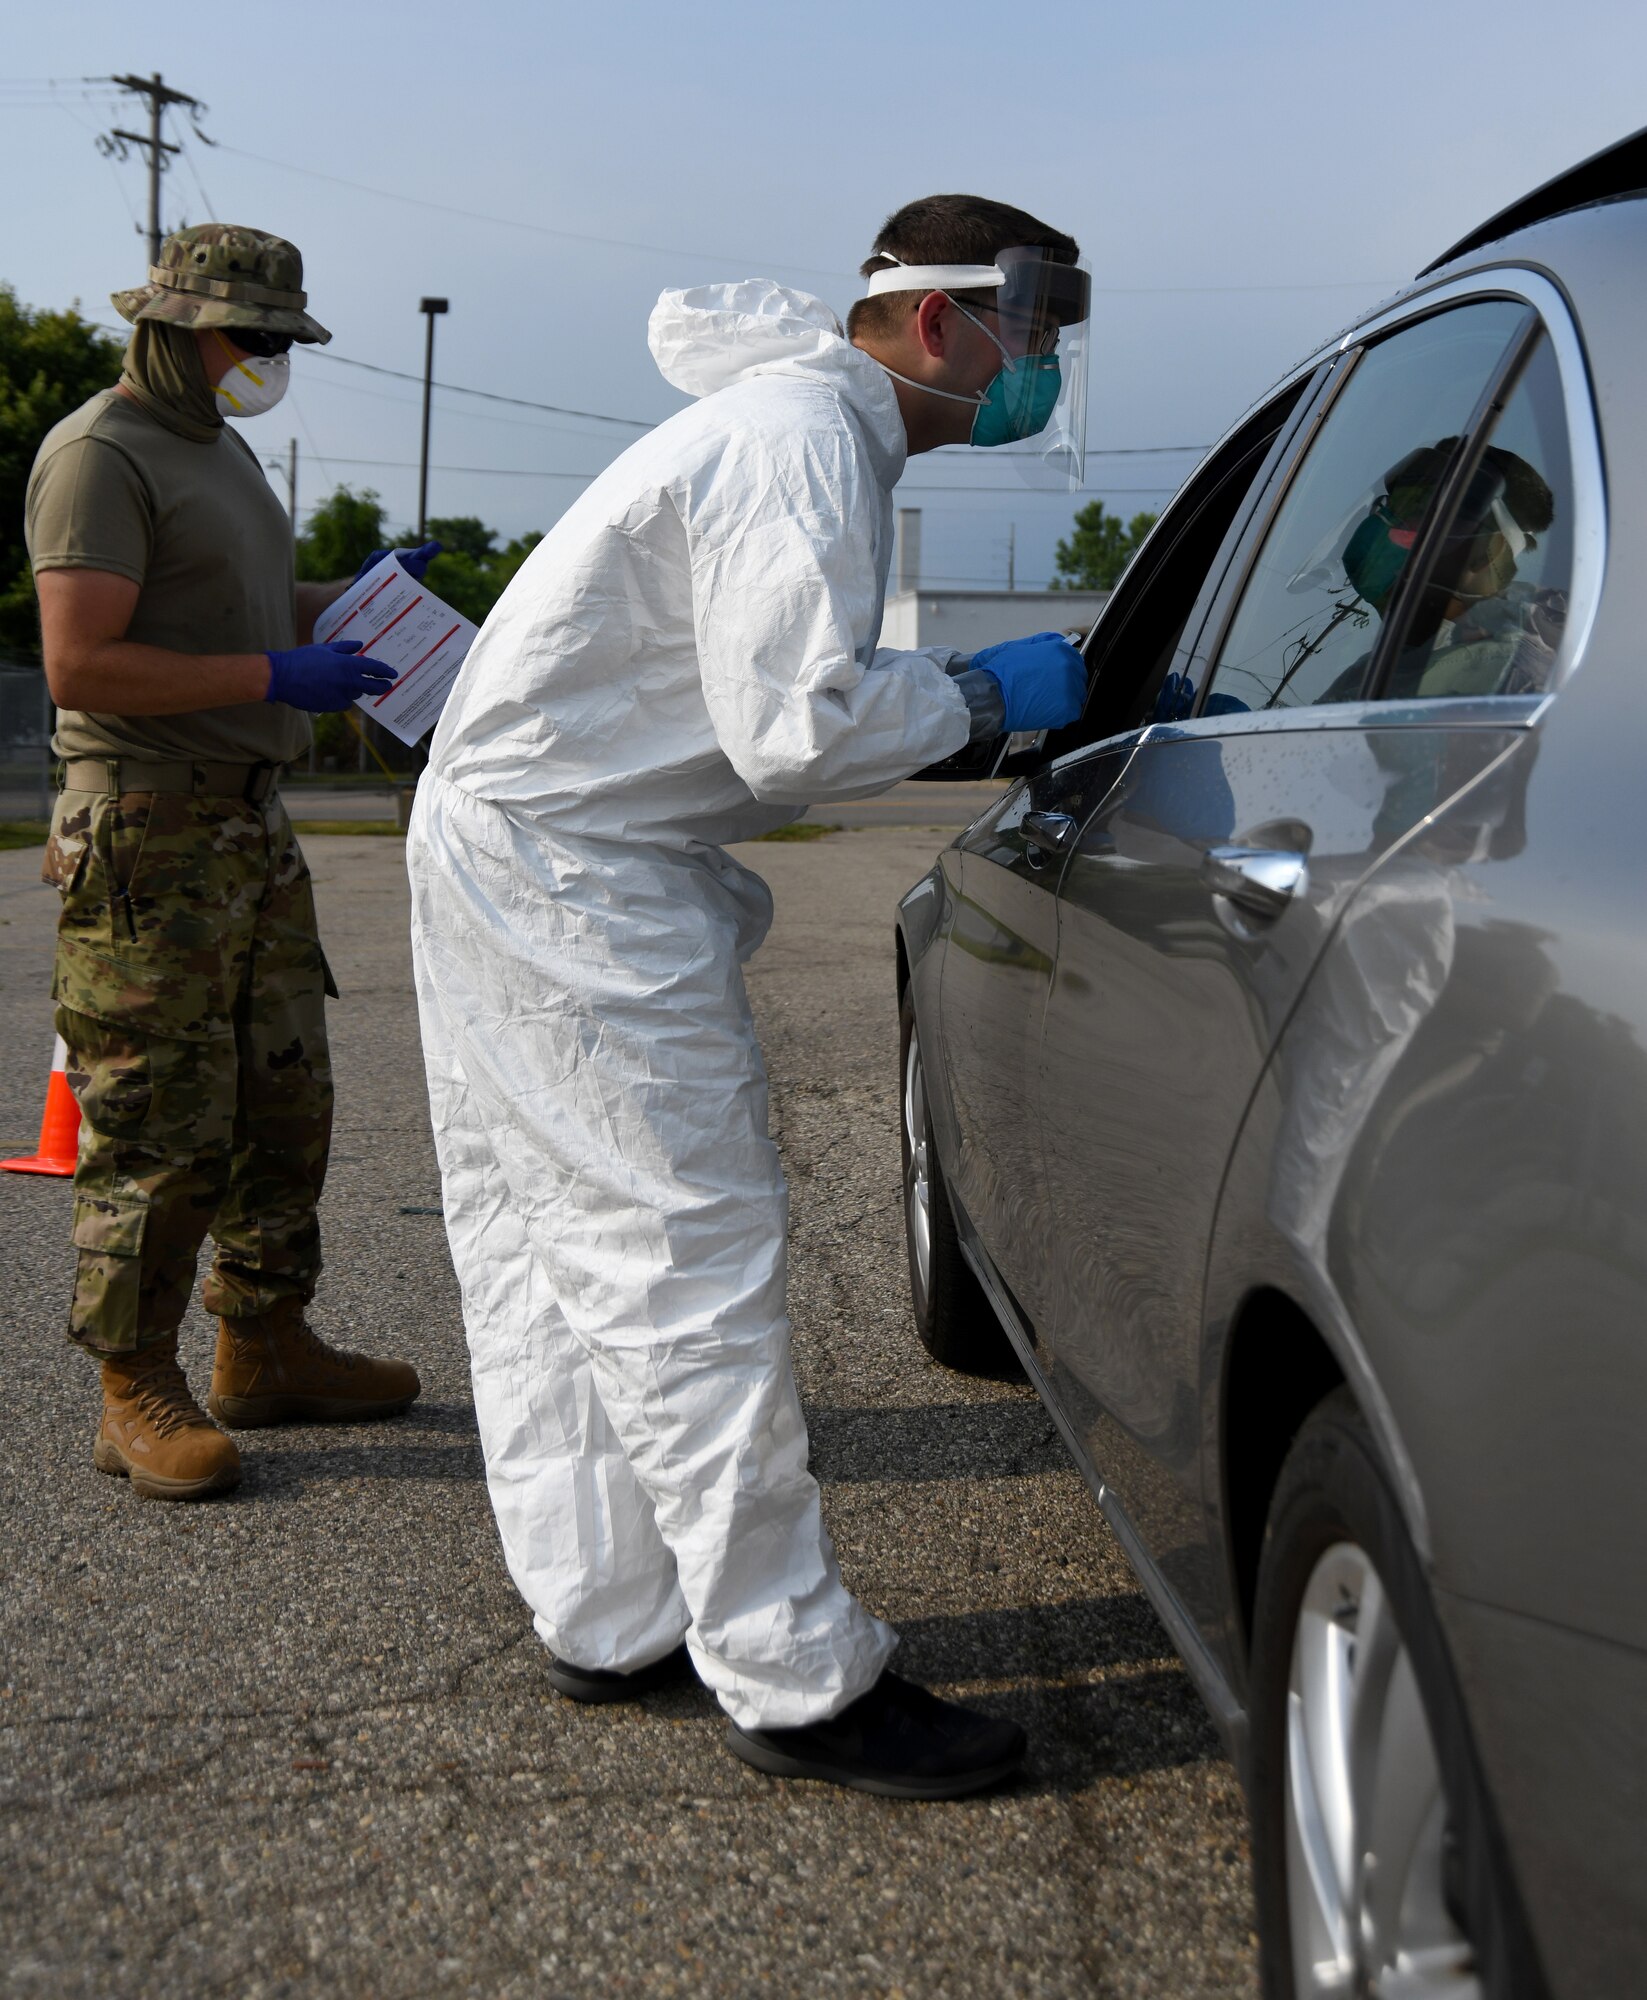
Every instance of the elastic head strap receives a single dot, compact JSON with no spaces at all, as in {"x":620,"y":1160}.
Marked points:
{"x":904,"y":277}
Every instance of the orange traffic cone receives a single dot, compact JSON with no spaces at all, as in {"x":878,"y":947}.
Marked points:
{"x":59,"y":1127}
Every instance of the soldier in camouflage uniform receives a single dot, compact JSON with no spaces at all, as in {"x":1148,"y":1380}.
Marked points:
{"x":190,"y":983}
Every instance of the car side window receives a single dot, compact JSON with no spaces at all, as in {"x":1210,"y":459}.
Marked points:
{"x":1308,"y":621}
{"x":1132,"y":648}
{"x":1491,"y":613}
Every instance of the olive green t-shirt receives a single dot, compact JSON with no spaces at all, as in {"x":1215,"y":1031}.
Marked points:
{"x":199,"y":530}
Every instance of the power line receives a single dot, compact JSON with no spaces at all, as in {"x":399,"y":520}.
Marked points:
{"x":487,"y":471}
{"x":646,"y":424}
{"x":532,"y":473}
{"x":487,"y":395}
{"x":469,"y":416}
{"x":782,"y":264}
{"x":70,"y":113}
{"x":1030,"y":492}
{"x":51,"y":84}
{"x":531,"y":228}
{"x":194,"y":171}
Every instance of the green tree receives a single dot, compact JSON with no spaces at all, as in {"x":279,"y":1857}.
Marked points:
{"x":50,"y":362}
{"x":464,"y":535}
{"x":342,"y":532}
{"x":1100,"y":548}
{"x":468,"y":586}
{"x":472,"y":572}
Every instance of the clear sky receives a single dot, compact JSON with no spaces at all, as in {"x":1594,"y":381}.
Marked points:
{"x":1242,"y":179}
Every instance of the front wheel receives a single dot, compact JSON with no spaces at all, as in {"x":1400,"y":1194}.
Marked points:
{"x":955,"y":1321}
{"x":1379,"y":1868}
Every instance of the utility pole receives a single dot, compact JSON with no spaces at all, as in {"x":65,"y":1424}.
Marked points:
{"x":114,"y":144}
{"x":1012,"y":556}
{"x":429,"y":308}
{"x":288,"y":465}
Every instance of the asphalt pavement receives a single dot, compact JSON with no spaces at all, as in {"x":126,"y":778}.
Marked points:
{"x":299,"y":1741}
{"x":917,"y":802}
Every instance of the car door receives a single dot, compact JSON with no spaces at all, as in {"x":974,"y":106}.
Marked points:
{"x":1201,"y":887}
{"x":1001,"y":927}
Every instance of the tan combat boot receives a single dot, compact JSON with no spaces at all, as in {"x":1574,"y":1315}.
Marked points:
{"x":275,"y":1369}
{"x":156,"y":1434}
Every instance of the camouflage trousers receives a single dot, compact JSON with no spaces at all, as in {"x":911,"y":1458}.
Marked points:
{"x":190,"y":990}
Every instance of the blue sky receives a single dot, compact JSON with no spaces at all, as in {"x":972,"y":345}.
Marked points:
{"x":1242,"y":180}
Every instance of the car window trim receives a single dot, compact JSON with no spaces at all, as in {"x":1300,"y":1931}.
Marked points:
{"x":1141,"y":572}
{"x":1354,"y":348}
{"x":1232,"y":586}
{"x":1522,"y":286}
{"x":1290,"y":441}
{"x":1305,"y":386}
{"x":1586,"y":463}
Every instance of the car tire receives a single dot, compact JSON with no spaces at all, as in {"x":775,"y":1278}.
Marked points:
{"x":1361,"y":1749}
{"x":955,"y":1321}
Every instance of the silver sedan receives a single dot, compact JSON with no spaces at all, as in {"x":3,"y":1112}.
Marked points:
{"x":1275,"y":1094}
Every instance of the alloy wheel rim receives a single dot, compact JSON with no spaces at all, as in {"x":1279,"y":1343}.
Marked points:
{"x":918,"y":1181}
{"x":1366,"y":1815}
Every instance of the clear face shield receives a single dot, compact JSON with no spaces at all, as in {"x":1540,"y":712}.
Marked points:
{"x":1037,"y":312}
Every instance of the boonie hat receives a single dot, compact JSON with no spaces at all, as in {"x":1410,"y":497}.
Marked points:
{"x":217,"y":274}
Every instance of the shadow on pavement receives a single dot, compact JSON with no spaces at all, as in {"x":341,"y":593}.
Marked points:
{"x":935,"y":1441}
{"x":1048,"y":1641}
{"x":276,"y":1471}
{"x":1117,"y":1729}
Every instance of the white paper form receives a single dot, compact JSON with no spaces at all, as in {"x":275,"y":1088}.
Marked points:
{"x":411,"y":631}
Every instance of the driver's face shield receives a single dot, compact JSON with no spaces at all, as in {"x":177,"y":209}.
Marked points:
{"x":1489,"y":567}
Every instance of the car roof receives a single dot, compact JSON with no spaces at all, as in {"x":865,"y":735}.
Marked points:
{"x":1619,"y":169}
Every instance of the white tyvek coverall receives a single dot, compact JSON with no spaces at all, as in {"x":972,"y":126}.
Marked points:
{"x":688,"y":658}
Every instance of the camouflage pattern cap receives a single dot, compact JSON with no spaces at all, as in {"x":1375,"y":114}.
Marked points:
{"x":217,"y":274}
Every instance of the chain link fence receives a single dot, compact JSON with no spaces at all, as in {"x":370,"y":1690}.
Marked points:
{"x":26,"y":722}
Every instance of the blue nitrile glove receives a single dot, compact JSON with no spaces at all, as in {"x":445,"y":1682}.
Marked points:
{"x":1043,"y":680}
{"x":323,"y":679}
{"x":413,"y":561}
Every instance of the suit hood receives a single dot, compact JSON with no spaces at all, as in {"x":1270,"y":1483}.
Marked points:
{"x":708,"y":337}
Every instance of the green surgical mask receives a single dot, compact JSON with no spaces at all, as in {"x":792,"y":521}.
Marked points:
{"x":1019,"y":402}
{"x":1020,"y":399}
{"x":1375,"y":556}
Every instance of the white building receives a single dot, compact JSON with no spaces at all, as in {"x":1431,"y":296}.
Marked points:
{"x":969,"y":619}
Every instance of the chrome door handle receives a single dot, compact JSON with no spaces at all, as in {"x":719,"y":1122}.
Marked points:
{"x":1052,"y":831}
{"x":1258,"y":880}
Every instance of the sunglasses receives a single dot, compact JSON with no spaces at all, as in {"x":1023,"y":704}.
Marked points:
{"x":256,"y":341}
{"x":1037,"y":336}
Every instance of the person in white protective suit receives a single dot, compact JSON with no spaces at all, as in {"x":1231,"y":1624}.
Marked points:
{"x":688,"y":659}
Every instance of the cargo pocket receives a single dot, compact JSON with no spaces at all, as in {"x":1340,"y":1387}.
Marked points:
{"x":68,"y":845}
{"x":109,"y":1228}
{"x":110,"y":1073}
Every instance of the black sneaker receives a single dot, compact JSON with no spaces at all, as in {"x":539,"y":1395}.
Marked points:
{"x":897,"y":1740}
{"x":605,"y":1684}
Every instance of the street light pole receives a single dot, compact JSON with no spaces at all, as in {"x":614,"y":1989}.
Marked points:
{"x":429,"y":308}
